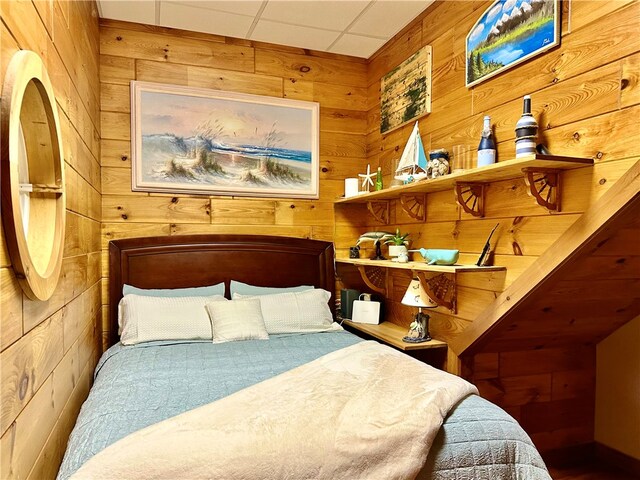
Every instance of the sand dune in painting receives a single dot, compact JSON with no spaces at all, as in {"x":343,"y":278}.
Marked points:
{"x":171,"y":159}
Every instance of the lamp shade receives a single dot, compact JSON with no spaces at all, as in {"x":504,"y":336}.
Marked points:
{"x":416,"y":296}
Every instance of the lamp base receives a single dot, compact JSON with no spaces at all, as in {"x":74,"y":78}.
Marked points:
{"x":419,"y":329}
{"x":416,"y":340}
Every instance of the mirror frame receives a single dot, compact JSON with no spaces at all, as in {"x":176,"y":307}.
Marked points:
{"x":24,"y":67}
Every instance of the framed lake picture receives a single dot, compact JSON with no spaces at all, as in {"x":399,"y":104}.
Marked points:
{"x":195,"y":140}
{"x":405,"y":92}
{"x":508,"y":33}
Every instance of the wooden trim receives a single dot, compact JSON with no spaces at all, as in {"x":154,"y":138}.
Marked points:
{"x":415,"y":205}
{"x":374,"y":277}
{"x":544,"y":185}
{"x":618,"y":459}
{"x":566,"y":457}
{"x":612,"y":211}
{"x":440,"y":288}
{"x":379,"y":211}
{"x":470,"y":197}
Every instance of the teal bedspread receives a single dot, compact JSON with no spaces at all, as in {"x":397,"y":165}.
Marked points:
{"x":140,"y":385}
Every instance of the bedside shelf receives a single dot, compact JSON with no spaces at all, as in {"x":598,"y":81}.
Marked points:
{"x":440,"y":288}
{"x":540,"y":173}
{"x":392,"y":334}
{"x":418,"y":266}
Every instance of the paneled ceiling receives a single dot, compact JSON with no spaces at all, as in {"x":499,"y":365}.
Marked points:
{"x":349,"y":27}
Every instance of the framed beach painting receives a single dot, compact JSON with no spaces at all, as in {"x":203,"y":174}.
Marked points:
{"x":508,"y":33}
{"x":200,"y":141}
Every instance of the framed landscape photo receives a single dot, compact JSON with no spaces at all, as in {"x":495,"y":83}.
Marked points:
{"x":200,"y":141}
{"x":405,"y":92}
{"x":508,"y":33}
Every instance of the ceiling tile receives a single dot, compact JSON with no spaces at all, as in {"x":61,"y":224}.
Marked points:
{"x":244,"y":7}
{"x":326,"y":14}
{"x":199,"y":19}
{"x":388,"y":17}
{"x":357,"y":46}
{"x":293,"y":35}
{"x":141,"y":11}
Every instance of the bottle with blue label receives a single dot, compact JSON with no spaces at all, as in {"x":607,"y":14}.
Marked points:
{"x":487,"y":147}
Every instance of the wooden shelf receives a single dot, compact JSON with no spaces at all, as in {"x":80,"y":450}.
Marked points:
{"x":541,"y":174}
{"x":392,"y":334}
{"x":490,"y":173}
{"x":440,"y":288}
{"x":418,"y":266}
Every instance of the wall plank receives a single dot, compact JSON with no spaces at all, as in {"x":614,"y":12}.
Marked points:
{"x":65,"y":34}
{"x":585,"y":99}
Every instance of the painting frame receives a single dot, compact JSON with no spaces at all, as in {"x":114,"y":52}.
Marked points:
{"x":478,"y":34}
{"x":215,"y":156}
{"x":397,"y":107}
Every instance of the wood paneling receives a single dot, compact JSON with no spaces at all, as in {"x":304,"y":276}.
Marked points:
{"x":586,"y":99}
{"x":41,"y":385}
{"x":138,"y":52}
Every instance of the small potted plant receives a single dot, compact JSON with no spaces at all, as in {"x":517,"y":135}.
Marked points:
{"x":397,"y":243}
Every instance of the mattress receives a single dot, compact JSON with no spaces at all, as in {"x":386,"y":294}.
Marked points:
{"x":137,"y":386}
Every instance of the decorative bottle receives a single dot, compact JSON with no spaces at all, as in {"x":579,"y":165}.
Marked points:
{"x":526,"y":131}
{"x":487,"y":147}
{"x":379,"y":179}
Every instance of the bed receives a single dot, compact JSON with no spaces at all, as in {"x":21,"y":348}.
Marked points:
{"x":137,"y":387}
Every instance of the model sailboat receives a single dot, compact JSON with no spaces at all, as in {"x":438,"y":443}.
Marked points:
{"x":413,"y":163}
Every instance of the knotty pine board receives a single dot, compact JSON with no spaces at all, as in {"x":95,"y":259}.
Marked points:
{"x":173,"y":49}
{"x":585,"y":93}
{"x":33,"y":343}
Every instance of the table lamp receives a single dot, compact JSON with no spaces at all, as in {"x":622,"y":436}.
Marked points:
{"x":415,"y":296}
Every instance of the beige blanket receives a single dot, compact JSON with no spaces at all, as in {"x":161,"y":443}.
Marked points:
{"x":363,"y":412}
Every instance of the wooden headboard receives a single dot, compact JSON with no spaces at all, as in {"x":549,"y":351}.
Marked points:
{"x":196,"y":260}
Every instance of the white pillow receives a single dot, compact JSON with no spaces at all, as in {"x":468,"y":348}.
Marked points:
{"x":296,"y":312}
{"x":144,"y":319}
{"x":237,"y":320}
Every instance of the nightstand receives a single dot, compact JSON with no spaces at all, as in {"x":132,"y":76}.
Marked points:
{"x":433,"y":352}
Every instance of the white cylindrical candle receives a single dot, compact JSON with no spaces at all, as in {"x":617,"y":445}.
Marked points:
{"x":350,"y":187}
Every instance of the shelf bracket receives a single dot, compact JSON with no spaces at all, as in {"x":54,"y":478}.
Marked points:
{"x":379,"y":210}
{"x":375,"y":278}
{"x":441,"y":289}
{"x":544,"y":186}
{"x":470,"y":196}
{"x":414,"y":205}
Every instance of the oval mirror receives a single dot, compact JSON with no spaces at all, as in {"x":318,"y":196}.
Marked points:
{"x":33,"y":199}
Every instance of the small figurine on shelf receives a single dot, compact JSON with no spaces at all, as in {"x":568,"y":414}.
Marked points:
{"x":413,"y":162}
{"x":401,"y":258}
{"x":367,"y":178}
{"x":438,"y":256}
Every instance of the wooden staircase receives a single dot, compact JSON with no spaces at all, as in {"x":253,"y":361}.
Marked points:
{"x":533,"y":349}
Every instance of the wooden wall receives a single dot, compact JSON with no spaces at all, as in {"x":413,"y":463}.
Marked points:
{"x":137,"y":52}
{"x":49,"y":349}
{"x":586,"y":98}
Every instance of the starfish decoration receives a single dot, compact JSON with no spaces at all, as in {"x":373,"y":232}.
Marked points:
{"x":367,"y":178}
